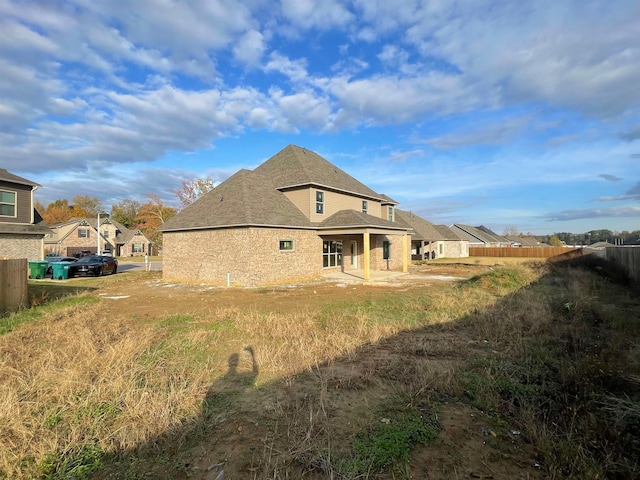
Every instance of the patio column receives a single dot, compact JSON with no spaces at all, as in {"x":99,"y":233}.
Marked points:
{"x":405,"y":251}
{"x":367,"y":255}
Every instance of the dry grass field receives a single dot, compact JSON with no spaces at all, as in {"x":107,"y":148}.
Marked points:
{"x":517,"y":371}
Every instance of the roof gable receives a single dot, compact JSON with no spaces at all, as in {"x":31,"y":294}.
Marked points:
{"x":295,"y":166}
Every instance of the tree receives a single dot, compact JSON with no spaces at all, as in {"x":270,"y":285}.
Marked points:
{"x":126,"y":212}
{"x":555,"y":241}
{"x":193,"y":189}
{"x":57,"y":212}
{"x":511,"y":230}
{"x":86,"y":206}
{"x":152,"y":216}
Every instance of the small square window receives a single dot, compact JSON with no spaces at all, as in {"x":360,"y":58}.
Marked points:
{"x":286,"y":245}
{"x":83,"y":233}
{"x":390,"y":214}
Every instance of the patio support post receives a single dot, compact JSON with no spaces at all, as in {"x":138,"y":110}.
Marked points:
{"x":367,"y":255}
{"x":405,"y":241}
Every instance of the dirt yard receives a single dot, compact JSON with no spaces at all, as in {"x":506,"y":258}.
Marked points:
{"x":467,"y":446}
{"x":161,"y":298}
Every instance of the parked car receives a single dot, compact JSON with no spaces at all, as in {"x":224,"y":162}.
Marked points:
{"x":82,"y":253}
{"x":50,"y":260}
{"x":95,"y":265}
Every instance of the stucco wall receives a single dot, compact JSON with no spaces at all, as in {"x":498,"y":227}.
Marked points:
{"x":252,"y":256}
{"x":305,"y":200}
{"x":21,"y":246}
{"x":454,"y":249}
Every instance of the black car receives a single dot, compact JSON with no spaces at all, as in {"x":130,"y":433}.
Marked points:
{"x":57,"y":259}
{"x":95,"y":265}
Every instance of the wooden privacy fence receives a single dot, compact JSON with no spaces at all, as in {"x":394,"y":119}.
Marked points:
{"x":13,"y":284}
{"x":533,"y":252}
{"x":628,"y":258}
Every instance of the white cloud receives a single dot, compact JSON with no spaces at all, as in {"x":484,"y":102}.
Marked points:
{"x":250,"y":48}
{"x":322,"y":14}
{"x":295,"y":70}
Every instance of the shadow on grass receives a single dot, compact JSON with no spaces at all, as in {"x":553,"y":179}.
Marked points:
{"x":550,"y":377}
{"x":45,"y":292}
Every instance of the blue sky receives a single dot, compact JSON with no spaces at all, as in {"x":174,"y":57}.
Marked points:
{"x":478,"y":112}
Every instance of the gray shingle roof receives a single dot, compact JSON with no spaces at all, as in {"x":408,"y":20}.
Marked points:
{"x":295,"y":166}
{"x":256,"y":197}
{"x":10,"y":177}
{"x":353,"y":218}
{"x":422,"y":229}
{"x":245,"y":198}
{"x":477,"y":234}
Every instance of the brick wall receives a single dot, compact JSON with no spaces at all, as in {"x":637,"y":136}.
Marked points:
{"x":21,"y":246}
{"x":252,"y":256}
{"x":395,"y":262}
{"x":126,"y":250}
{"x":82,"y":243}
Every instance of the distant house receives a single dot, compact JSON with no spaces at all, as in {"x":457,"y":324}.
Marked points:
{"x":22,"y":229}
{"x":601,"y":245}
{"x":525,"y":241}
{"x":429,"y":241}
{"x":480,"y":236}
{"x":293,"y":217}
{"x":77,"y":234}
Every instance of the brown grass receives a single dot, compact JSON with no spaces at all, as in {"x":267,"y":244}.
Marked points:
{"x":289,"y":391}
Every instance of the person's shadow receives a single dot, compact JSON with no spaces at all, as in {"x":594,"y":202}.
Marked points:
{"x":226,"y":391}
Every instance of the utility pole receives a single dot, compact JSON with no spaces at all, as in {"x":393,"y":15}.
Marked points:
{"x":98,"y":230}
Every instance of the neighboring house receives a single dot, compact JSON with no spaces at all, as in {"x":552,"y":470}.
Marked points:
{"x":525,"y":241}
{"x":292,"y":218}
{"x":22,"y":229}
{"x":77,"y":234}
{"x":601,"y":245}
{"x":429,"y":241}
{"x":479,"y":236}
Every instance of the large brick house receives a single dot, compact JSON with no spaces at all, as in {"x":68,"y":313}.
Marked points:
{"x":293,"y":217}
{"x":22,"y":229}
{"x":430,"y":241}
{"x":77,"y":234}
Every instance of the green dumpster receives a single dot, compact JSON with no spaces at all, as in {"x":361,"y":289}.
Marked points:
{"x":60,"y":270}
{"x":37,"y":269}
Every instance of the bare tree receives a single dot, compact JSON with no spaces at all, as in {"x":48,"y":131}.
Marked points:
{"x":510,"y":230}
{"x":193,"y":189}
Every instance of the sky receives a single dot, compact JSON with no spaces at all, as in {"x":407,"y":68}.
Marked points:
{"x":480,"y":112}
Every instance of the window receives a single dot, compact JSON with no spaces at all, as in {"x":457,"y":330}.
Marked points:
{"x":7,"y":204}
{"x":365,"y":206}
{"x":105,"y":233}
{"x":83,"y":233}
{"x":331,"y":253}
{"x":441,"y":249}
{"x":319,"y":202}
{"x":137,"y":248}
{"x":390,"y":214}
{"x":286,"y":245}
{"x":386,"y":250}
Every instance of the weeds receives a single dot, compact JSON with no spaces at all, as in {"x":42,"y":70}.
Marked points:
{"x":348,"y":389}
